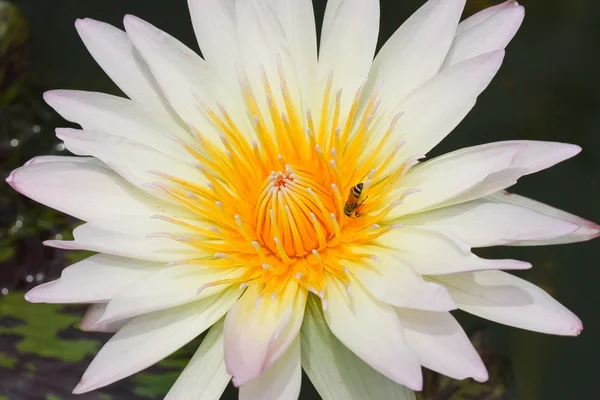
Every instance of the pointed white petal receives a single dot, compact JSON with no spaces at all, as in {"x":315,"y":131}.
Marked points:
{"x":483,"y":223}
{"x":509,"y":300}
{"x":204,"y":378}
{"x":214,"y":25}
{"x":298,"y":21}
{"x":84,"y":190}
{"x":184,"y":77}
{"x":150,"y":338}
{"x":258,"y":330}
{"x":348,"y":41}
{"x":415,"y":52}
{"x":132,"y":160}
{"x":373,"y":331}
{"x":281,"y":381}
{"x":113,"y":51}
{"x":586,"y":230}
{"x":336,"y":372}
{"x":436,"y":107}
{"x":491,"y":34}
{"x":129,"y":236}
{"x":169,"y":287}
{"x":536,"y":156}
{"x":446,"y":177}
{"x":264,"y":46}
{"x":96,"y":279}
{"x":120,"y":117}
{"x":390,"y":279}
{"x":89,"y":322}
{"x":433,"y":253}
{"x":441,"y":344}
{"x":84,"y":160}
{"x":484,"y":14}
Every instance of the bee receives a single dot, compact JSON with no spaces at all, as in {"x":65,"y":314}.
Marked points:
{"x":352,"y":206}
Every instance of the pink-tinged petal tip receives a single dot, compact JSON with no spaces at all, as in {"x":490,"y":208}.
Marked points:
{"x":10,"y":179}
{"x":577,"y":328}
{"x":30,"y":297}
{"x":81,"y":388}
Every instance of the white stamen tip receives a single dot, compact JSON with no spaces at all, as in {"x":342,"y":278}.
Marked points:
{"x":374,"y":257}
{"x":396,"y":203}
{"x":162,"y":218}
{"x":257,"y":302}
{"x":396,"y":226}
{"x":201,"y":288}
{"x":349,"y":289}
{"x":177,"y":262}
{"x":273,"y":297}
{"x":244,"y":285}
{"x":220,"y":255}
{"x":324,"y":304}
{"x":160,"y":235}
{"x":298,"y":275}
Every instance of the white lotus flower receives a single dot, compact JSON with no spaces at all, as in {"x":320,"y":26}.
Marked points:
{"x":238,"y":171}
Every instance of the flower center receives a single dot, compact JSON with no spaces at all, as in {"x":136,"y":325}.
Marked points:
{"x":294,"y":214}
{"x":295,"y":201}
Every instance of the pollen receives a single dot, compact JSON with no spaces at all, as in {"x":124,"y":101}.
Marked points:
{"x":274,"y":204}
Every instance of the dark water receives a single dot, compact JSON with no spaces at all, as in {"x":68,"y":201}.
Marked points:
{"x":547,"y":89}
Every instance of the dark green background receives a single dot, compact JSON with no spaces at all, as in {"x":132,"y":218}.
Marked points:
{"x":547,"y":89}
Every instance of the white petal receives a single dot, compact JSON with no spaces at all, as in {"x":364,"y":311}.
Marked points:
{"x":298,"y":21}
{"x":484,"y":223}
{"x":281,"y":381}
{"x":484,"y":14}
{"x":372,"y":330}
{"x":150,"y":338}
{"x":129,"y":236}
{"x":448,"y":176}
{"x":113,"y":51}
{"x":169,"y":287}
{"x":84,"y":190}
{"x":96,"y":279}
{"x":84,"y":160}
{"x":336,"y":372}
{"x":586,"y":230}
{"x":214,"y":25}
{"x":263,"y":45}
{"x":491,"y":34}
{"x":258,"y":330}
{"x":535,"y":157}
{"x":348,"y":41}
{"x":436,"y":107}
{"x":509,"y":300}
{"x":204,"y":378}
{"x":434,"y":253}
{"x":390,"y":279}
{"x":89,"y":322}
{"x":441,"y":344}
{"x":120,"y":117}
{"x":132,"y":160}
{"x":415,"y":52}
{"x":183,"y":76}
